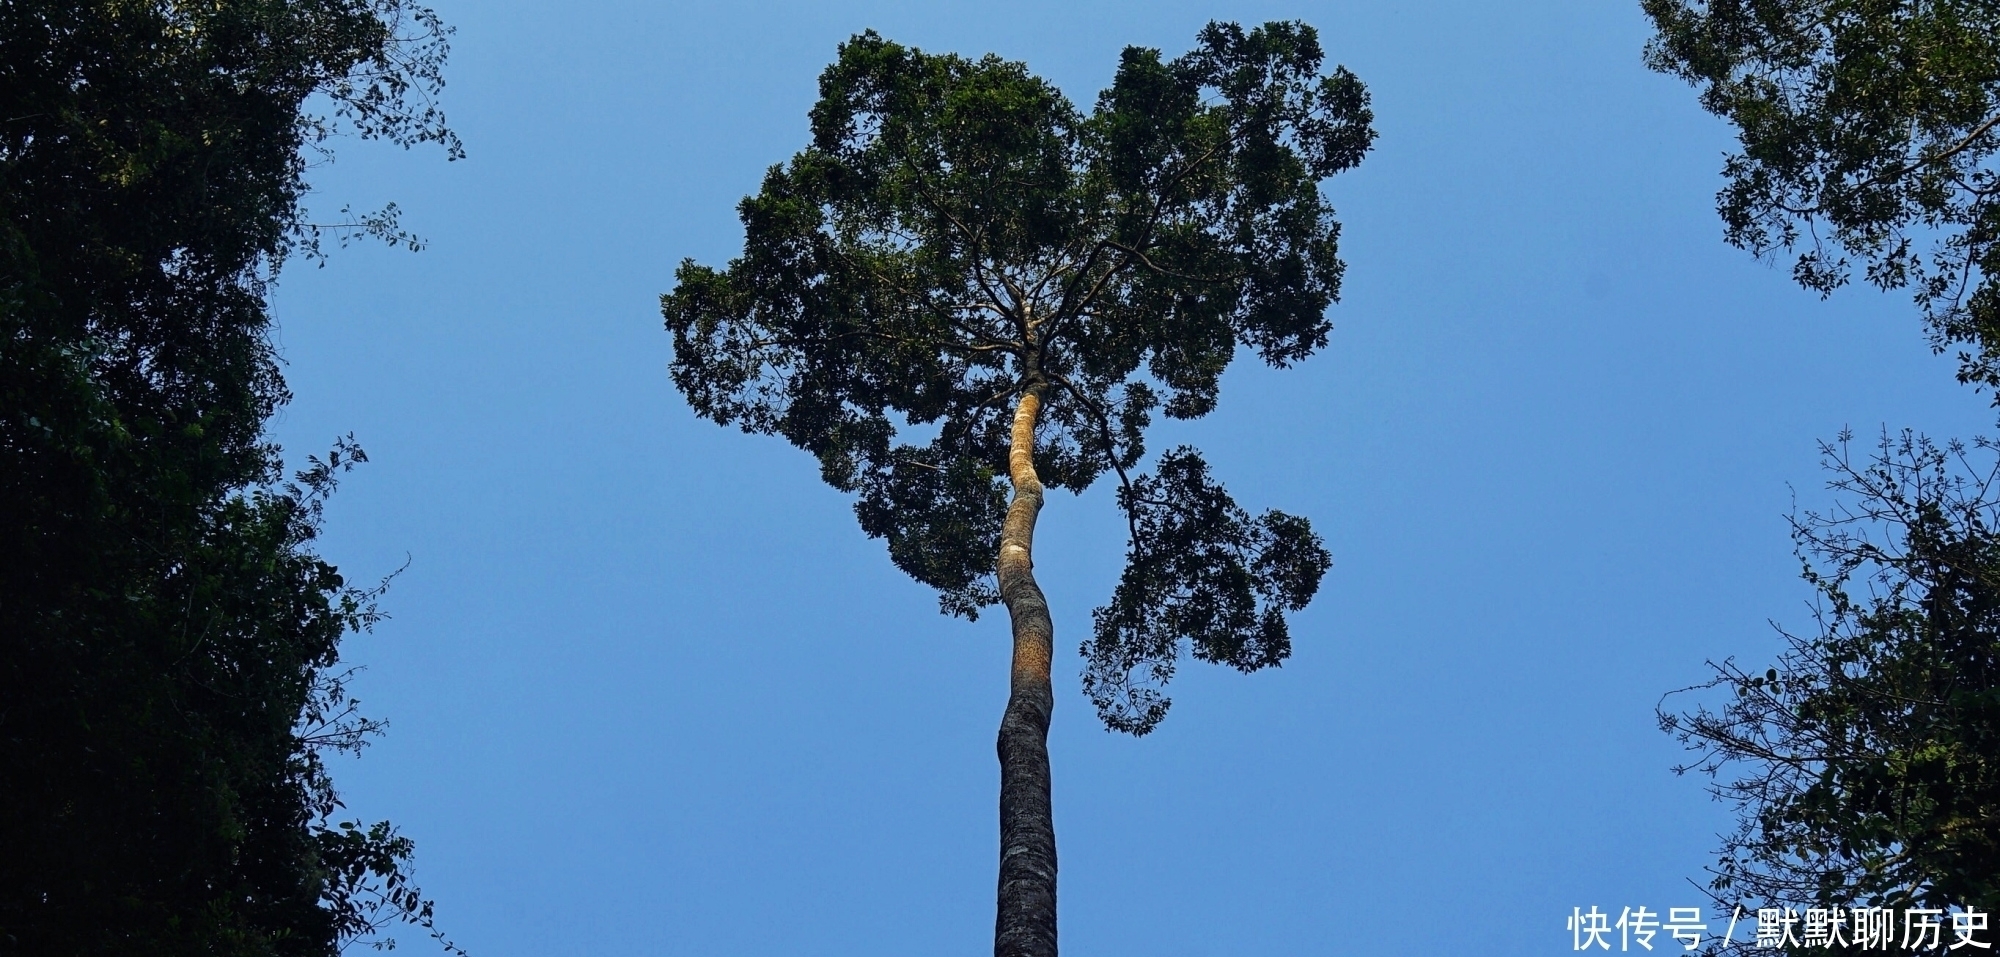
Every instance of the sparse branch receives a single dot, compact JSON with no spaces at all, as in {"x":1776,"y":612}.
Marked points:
{"x":1141,"y":257}
{"x":975,"y":245}
{"x":1100,"y":416}
{"x":1961,"y":146}
{"x":981,"y":339}
{"x":1159,"y":207}
{"x":1855,"y":763}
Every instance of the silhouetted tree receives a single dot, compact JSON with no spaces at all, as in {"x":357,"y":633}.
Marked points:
{"x":963,"y":253}
{"x":168,"y":637}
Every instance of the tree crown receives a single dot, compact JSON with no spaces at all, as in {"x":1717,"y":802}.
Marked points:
{"x":959,"y":234}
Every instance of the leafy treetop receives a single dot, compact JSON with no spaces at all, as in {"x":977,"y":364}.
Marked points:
{"x":1869,"y":133}
{"x":959,"y":235}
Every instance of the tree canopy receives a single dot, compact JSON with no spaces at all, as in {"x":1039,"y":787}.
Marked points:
{"x":168,"y":636}
{"x":959,"y":235}
{"x":1869,"y":135}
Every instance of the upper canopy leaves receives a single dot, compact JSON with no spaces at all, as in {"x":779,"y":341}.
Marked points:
{"x":959,"y":233}
{"x":1869,"y":130}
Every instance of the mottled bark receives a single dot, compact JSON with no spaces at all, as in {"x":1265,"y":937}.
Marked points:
{"x":1026,"y":926}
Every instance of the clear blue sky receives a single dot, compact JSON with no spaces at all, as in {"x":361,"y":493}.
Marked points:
{"x":652,"y":692}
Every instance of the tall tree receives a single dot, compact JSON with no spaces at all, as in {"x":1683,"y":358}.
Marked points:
{"x":1865,"y":764}
{"x":168,"y":637}
{"x":963,"y":253}
{"x":1870,"y":131}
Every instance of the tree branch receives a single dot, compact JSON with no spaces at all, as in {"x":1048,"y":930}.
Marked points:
{"x":1103,"y":420}
{"x":1962,"y":145}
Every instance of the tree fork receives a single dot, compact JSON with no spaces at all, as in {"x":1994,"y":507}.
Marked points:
{"x":1026,"y":925}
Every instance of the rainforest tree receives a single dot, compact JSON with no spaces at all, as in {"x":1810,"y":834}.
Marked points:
{"x":168,"y":637}
{"x":1870,"y":132}
{"x":966,"y":287}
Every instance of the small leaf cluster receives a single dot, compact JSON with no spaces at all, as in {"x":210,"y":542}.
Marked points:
{"x":1201,"y":570}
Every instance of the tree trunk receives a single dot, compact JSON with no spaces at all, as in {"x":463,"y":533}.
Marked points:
{"x":1026,"y":926}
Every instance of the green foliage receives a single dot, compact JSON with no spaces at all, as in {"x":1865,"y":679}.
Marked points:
{"x":1200,"y":568}
{"x":1869,"y":133}
{"x":1866,"y":764}
{"x":959,"y":234}
{"x":167,"y":634}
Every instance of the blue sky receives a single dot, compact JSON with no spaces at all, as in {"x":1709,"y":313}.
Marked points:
{"x":652,"y":692}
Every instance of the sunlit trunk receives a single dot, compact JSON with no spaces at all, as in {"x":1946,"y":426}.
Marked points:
{"x":1026,"y":926}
